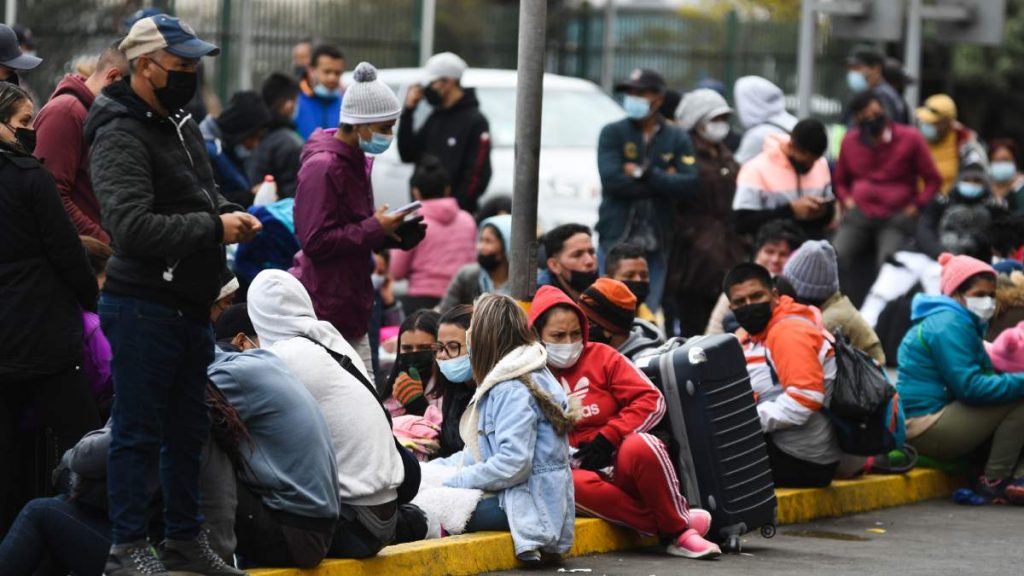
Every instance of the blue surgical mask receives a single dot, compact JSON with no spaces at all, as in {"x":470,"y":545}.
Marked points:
{"x":970,"y":189}
{"x":929,"y":131}
{"x":377,"y":144}
{"x":1003,"y":171}
{"x":457,"y":370}
{"x":323,"y":91}
{"x":637,"y":107}
{"x":856,"y":81}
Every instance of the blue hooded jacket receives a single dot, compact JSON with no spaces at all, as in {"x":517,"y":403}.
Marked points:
{"x":942,"y":359}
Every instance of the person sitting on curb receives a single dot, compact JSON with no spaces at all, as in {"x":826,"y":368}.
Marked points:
{"x":786,"y":340}
{"x":571,"y":264}
{"x":955,"y":402}
{"x":621,"y":472}
{"x":814,"y":274}
{"x":515,"y":430}
{"x":627,"y":263}
{"x":610,"y":307}
{"x":412,"y":386}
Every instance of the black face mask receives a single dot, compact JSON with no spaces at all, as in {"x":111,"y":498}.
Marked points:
{"x":580,"y":281}
{"x":423,"y":362}
{"x":597,"y":334}
{"x":179,"y":90}
{"x":432,"y":96}
{"x":25,"y":137}
{"x":488,"y":262}
{"x":800,"y":167}
{"x":875,"y":126}
{"x":754,"y":318}
{"x":640,"y":289}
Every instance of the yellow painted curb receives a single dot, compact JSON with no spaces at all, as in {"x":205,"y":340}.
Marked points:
{"x":492,"y":551}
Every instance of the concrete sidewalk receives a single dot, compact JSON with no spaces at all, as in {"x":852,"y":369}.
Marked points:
{"x":492,"y":551}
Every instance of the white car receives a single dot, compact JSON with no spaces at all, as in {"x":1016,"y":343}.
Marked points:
{"x":574,"y":113}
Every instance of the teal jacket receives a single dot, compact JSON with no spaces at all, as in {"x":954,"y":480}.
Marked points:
{"x":622,"y":142}
{"x":942,"y":359}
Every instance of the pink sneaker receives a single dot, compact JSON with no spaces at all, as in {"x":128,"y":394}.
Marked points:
{"x":690,"y":544}
{"x":700,"y":520}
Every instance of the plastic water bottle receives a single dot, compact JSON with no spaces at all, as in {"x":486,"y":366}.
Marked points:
{"x":267,"y":194}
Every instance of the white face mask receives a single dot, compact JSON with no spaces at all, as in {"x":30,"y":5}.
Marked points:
{"x":715,"y":131}
{"x":564,"y":355}
{"x":983,"y":308}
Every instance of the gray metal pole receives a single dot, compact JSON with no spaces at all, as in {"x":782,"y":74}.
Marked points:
{"x":427,"y":30}
{"x":912,"y":56}
{"x":246,"y":48}
{"x":608,"y":47}
{"x":529,"y":103}
{"x":805,"y":59}
{"x":11,"y":12}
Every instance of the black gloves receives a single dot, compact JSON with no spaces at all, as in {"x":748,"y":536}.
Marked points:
{"x":411,"y":232}
{"x":596,"y":454}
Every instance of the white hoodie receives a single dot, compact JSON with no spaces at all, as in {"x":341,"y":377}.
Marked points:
{"x":369,"y":465}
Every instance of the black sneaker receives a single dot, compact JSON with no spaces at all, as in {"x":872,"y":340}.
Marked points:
{"x":134,"y":559}
{"x":196,"y":557}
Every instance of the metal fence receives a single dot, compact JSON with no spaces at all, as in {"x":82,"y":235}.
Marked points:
{"x":386,"y":32}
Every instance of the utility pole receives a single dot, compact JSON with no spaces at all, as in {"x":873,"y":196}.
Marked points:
{"x":427,"y":18}
{"x":529,"y":103}
{"x":608,"y":47}
{"x":912,"y":55}
{"x":11,"y":12}
{"x":245,"y":51}
{"x":805,"y":59}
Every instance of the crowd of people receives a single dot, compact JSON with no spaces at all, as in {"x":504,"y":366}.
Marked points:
{"x":222,"y":353}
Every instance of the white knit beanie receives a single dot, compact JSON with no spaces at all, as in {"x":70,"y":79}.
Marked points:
{"x":700,"y":105}
{"x":368,"y":100}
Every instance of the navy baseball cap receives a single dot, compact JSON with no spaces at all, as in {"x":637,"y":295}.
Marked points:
{"x":163,"y":32}
{"x":11,"y":55}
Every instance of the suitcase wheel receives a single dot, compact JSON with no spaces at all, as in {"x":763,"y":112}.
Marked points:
{"x":768,"y":531}
{"x":732,"y":545}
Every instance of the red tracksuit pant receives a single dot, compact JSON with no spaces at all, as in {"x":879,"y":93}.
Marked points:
{"x":642,"y":494}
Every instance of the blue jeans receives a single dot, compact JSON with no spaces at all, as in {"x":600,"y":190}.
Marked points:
{"x":488,"y":517}
{"x":657,"y":266}
{"x":160,"y":415}
{"x":55,"y":529}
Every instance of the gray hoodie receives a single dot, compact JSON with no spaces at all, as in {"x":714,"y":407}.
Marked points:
{"x":761,"y":107}
{"x":642,"y":337}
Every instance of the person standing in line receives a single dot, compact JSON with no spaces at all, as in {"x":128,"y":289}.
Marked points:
{"x":168,"y":223}
{"x":320,"y":101}
{"x":864,"y":72}
{"x":12,"y":59}
{"x":279,"y":150}
{"x":761,"y":109}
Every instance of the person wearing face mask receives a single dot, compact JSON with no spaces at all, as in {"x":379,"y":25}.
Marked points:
{"x":877,"y":181}
{"x":489,"y":274}
{"x":704,"y":242}
{"x":959,"y":222}
{"x":646,"y":166}
{"x":61,"y":144}
{"x":571,"y":264}
{"x":12,"y":58}
{"x":627,"y":263}
{"x":761,"y":111}
{"x":621,"y":472}
{"x":230,"y":139}
{"x":865,"y":67}
{"x":456,"y":131}
{"x":279,"y":150}
{"x":951,"y":144}
{"x":790,"y":179}
{"x":335,"y":221}
{"x":610,"y":307}
{"x":456,"y":375}
{"x":320,"y":100}
{"x":449,"y":245}
{"x":954,"y":400}
{"x":48,"y":282}
{"x":1007,"y":180}
{"x":412,"y":386}
{"x":792,"y":368}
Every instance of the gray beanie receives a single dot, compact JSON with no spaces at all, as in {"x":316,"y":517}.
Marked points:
{"x":368,"y":100}
{"x":813,"y":272}
{"x":700,"y":105}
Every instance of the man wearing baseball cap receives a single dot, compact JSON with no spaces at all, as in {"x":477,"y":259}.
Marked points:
{"x":12,"y":59}
{"x":646,"y":166}
{"x":168,"y":223}
{"x":456,"y":131}
{"x":953,"y":145}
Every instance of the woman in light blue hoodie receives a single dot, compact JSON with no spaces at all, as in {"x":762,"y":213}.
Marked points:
{"x":515,"y":430}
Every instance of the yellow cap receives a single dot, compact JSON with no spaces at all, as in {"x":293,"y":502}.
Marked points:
{"x":936,"y":109}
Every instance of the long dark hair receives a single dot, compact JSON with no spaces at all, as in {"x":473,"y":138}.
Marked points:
{"x":227,"y":429}
{"x":456,"y":395}
{"x":422,"y":321}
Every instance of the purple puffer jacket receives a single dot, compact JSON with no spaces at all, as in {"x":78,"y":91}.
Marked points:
{"x":96,"y":358}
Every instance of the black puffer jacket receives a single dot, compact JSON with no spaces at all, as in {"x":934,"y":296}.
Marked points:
{"x":159,"y":201}
{"x":45,"y":278}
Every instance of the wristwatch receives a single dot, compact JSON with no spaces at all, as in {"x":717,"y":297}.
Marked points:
{"x":638,"y":172}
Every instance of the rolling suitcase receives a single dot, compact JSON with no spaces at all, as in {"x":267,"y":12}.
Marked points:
{"x":721,"y":454}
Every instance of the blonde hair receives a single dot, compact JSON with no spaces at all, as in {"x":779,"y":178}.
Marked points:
{"x":498,"y":327}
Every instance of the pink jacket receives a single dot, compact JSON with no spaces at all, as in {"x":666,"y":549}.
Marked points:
{"x":769,"y":181}
{"x":450,"y":244}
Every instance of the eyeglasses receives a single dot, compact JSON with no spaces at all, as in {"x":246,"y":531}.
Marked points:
{"x":451,"y":349}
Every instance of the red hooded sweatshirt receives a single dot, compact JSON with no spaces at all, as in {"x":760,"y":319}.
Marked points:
{"x":618,"y":400}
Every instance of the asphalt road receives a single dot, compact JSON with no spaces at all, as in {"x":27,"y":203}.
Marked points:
{"x":935,"y":538}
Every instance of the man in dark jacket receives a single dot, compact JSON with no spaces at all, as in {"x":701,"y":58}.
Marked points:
{"x":230,"y":139}
{"x":61,"y":145}
{"x":168,"y":223}
{"x":646,"y":165}
{"x":279,"y":150}
{"x":456,"y":132}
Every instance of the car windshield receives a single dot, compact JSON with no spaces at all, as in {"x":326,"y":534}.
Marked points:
{"x":571,"y":118}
